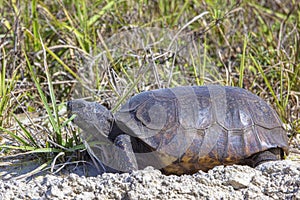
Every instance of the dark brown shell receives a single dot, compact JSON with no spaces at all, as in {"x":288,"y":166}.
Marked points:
{"x":192,"y":128}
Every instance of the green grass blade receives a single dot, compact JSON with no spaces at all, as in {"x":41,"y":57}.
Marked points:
{"x":68,"y":69}
{"x":42,"y":95}
{"x":54,"y":119}
{"x":26,"y":132}
{"x":45,"y":150}
{"x":35,"y":24}
{"x":3,"y":86}
{"x":204,"y":63}
{"x":269,"y":11}
{"x":242,"y":65}
{"x":2,"y":76}
{"x":23,"y":148}
{"x":81,"y":38}
{"x":68,"y":120}
{"x":13,"y":135}
{"x":266,"y":80}
{"x":195,"y":71}
{"x":178,"y":15}
{"x":103,"y":10}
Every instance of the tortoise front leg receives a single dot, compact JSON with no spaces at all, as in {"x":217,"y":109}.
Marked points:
{"x":124,"y":160}
{"x":117,"y":156}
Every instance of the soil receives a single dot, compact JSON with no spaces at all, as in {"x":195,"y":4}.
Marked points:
{"x":271,"y":180}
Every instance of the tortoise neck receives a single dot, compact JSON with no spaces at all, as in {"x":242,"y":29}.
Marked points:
{"x":115,"y":131}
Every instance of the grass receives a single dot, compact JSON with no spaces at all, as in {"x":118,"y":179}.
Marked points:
{"x":52,"y":51}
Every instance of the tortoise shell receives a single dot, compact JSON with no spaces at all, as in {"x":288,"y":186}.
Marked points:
{"x":193,"y":128}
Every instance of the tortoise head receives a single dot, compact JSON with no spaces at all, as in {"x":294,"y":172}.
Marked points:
{"x":91,"y":117}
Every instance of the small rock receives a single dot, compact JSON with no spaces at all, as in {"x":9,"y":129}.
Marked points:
{"x":239,"y":176}
{"x":85,"y":195}
{"x":55,"y":192}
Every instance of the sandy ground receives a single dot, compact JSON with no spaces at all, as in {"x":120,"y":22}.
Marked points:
{"x":271,"y":180}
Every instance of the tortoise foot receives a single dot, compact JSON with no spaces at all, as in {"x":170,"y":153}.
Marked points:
{"x":265,"y":156}
{"x":125,"y":158}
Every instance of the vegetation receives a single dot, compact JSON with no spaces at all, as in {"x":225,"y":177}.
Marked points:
{"x":53,"y":51}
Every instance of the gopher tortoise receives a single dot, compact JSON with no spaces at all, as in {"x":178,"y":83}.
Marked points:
{"x":182,"y":130}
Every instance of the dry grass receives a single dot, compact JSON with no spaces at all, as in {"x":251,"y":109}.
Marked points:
{"x":53,"y":51}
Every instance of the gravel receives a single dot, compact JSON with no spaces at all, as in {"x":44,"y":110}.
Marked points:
{"x":271,"y":180}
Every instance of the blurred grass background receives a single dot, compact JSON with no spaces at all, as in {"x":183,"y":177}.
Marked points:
{"x":48,"y":48}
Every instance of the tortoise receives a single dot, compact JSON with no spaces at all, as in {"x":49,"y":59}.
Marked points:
{"x":182,"y":130}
